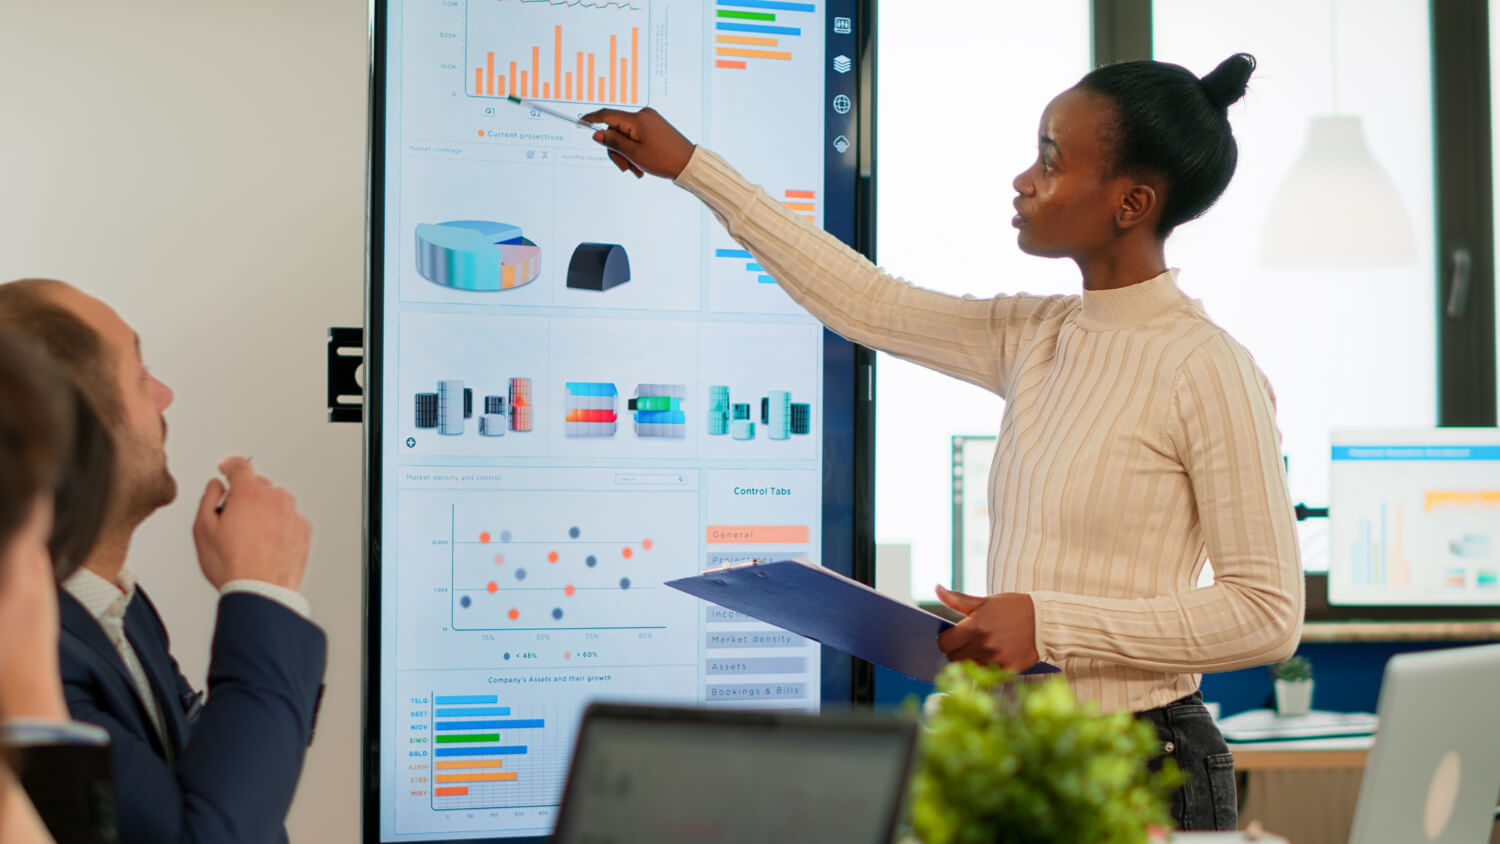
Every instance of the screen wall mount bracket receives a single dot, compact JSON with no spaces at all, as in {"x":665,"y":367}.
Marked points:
{"x":346,"y":356}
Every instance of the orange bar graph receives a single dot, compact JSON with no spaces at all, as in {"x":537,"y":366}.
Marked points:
{"x":800,"y":194}
{"x":452,"y":791}
{"x":800,"y":206}
{"x":731,"y":65}
{"x":612,"y":78}
{"x":614,"y":56}
{"x":461,"y":765}
{"x":497,"y":776}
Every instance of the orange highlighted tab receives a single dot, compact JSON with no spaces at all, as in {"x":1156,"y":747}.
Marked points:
{"x":757,"y":534}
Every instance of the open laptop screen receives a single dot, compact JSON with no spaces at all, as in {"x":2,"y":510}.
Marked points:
{"x":684,"y":775}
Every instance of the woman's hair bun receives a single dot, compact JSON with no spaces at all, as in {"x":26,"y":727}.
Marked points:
{"x":1226,"y":83}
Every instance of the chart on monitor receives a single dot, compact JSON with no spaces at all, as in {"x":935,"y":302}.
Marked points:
{"x":580,"y":386}
{"x":1415,"y":518}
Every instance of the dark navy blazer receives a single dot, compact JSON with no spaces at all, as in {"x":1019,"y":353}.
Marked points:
{"x":236,"y":754}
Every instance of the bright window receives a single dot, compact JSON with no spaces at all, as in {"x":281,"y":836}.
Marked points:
{"x":1343,"y":348}
{"x":961,"y":88}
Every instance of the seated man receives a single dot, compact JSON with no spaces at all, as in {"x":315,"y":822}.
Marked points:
{"x":187,"y":769}
{"x":47,"y":435}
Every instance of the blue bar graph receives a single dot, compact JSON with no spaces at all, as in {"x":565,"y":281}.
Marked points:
{"x":765,"y":279}
{"x":500,"y":711}
{"x":733,"y":253}
{"x":507,"y":724}
{"x":755,"y":27}
{"x":754,"y":268}
{"x":459,"y":700}
{"x":774,"y":5}
{"x":517,"y":750}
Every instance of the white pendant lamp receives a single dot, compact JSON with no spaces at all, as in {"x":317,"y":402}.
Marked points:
{"x":1337,"y":208}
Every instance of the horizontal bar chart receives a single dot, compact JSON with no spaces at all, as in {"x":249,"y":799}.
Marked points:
{"x":512,"y":750}
{"x":468,"y":764}
{"x":498,"y":776}
{"x":509,"y":723}
{"x":467,"y":738}
{"x":500,"y":711}
{"x":464,"y":700}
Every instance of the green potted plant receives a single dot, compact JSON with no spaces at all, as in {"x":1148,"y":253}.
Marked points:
{"x":1025,"y":762}
{"x":1294,"y":686}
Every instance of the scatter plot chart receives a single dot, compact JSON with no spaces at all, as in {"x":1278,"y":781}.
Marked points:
{"x":598,"y":564}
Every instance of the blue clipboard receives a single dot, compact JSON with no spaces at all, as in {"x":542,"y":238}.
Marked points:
{"x":827,"y":607}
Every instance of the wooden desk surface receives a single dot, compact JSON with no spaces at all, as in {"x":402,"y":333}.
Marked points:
{"x":1301,"y":755}
{"x":1401,"y":631}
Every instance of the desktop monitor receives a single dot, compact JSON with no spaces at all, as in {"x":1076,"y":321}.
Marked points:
{"x":1415,"y":518}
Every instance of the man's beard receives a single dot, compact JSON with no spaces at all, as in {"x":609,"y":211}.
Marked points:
{"x":147,"y":489}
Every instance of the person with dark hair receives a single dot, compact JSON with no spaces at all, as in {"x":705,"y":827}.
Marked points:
{"x":189,"y":769}
{"x":82,"y":500}
{"x":63,"y":766}
{"x":1138,"y":440}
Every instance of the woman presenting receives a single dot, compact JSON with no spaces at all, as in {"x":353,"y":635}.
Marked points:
{"x":1138,"y":438}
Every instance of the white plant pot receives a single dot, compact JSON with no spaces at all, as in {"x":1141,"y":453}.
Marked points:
{"x":1293,"y":697}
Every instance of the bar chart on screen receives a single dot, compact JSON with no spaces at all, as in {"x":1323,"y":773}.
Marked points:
{"x":1414,"y":519}
{"x":752,"y":33}
{"x":595,"y":52}
{"x":485,"y":756}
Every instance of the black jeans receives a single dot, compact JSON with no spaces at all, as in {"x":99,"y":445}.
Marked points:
{"x":1190,"y":736}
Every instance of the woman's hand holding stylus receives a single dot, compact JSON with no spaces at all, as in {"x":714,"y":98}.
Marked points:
{"x":642,"y":142}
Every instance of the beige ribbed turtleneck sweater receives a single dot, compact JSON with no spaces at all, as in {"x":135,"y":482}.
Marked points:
{"x":1138,"y":441}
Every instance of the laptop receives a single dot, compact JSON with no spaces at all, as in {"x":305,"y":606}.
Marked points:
{"x":1434,"y":773}
{"x":650,"y":774}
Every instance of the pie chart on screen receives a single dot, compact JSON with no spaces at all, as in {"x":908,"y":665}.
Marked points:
{"x":478,"y":255}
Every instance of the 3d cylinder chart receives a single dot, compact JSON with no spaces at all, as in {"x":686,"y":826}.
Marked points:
{"x":780,"y":417}
{"x":477,"y":255}
{"x":447,"y":409}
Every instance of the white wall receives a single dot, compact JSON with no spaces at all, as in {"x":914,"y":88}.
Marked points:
{"x":199,"y":164}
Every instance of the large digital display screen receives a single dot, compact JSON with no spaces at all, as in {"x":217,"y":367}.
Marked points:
{"x":1415,"y":518}
{"x":580,"y":387}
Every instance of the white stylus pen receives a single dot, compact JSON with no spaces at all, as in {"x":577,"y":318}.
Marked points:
{"x":592,"y":127}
